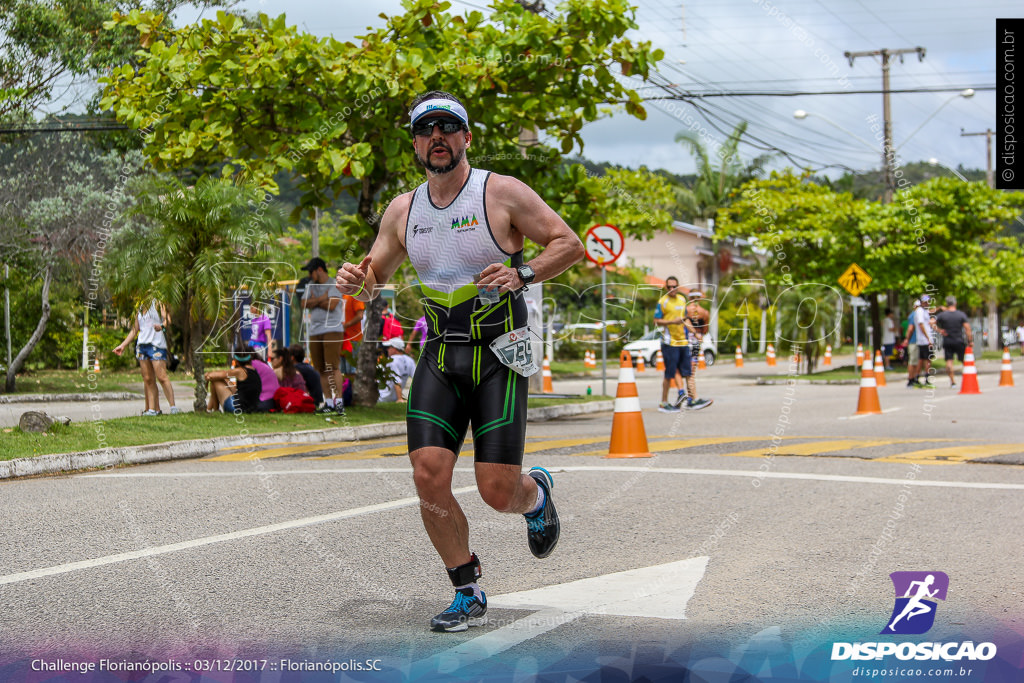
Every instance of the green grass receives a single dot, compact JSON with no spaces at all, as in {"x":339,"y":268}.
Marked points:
{"x":570,"y":367}
{"x":78,"y":381}
{"x":138,"y":431}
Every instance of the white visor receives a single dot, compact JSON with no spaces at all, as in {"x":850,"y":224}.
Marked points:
{"x":439,"y":106}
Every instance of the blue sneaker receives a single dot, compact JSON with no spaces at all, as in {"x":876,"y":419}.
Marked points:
{"x":464,"y":607}
{"x":542,"y":528}
{"x":680,"y":399}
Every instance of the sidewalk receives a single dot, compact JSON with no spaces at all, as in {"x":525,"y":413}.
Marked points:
{"x":84,"y":406}
{"x":199,"y":448}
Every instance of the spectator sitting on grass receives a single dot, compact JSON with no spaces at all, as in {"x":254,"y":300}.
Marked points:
{"x":270,"y":385}
{"x":308,"y":372}
{"x":284,"y":367}
{"x":242,"y":396}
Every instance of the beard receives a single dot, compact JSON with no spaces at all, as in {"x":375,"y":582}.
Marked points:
{"x":456,"y":159}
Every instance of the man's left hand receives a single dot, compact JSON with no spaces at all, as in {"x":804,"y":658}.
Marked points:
{"x":498,"y":275}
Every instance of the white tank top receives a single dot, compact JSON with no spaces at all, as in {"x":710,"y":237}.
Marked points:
{"x":147,"y":333}
{"x":449,"y":246}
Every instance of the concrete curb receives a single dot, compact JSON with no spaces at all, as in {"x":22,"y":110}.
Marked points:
{"x":53,"y":398}
{"x":200,"y":448}
{"x":568,"y":410}
{"x":773,"y":382}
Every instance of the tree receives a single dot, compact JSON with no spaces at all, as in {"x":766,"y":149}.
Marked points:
{"x":942,"y":236}
{"x":44,"y":44}
{"x":57,"y":202}
{"x":719,"y":173}
{"x":196,"y":245}
{"x":334,"y":114}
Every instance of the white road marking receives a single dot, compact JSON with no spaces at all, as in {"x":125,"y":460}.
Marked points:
{"x":601,"y":468}
{"x":797,"y":475}
{"x":243,"y":473}
{"x":209,"y":540}
{"x":628,"y":593}
{"x":858,"y":417}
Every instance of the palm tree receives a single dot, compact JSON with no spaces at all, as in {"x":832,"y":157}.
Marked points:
{"x":195,"y":245}
{"x":720,"y":173}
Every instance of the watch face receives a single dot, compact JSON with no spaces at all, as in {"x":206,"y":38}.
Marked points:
{"x":526,"y":274}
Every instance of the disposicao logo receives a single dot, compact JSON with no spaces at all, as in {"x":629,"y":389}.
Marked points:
{"x":912,"y":614}
{"x":916,"y":594}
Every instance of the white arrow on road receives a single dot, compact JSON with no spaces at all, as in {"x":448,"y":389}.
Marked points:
{"x":659,"y":592}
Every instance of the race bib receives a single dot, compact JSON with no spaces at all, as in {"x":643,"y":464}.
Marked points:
{"x":515,"y":350}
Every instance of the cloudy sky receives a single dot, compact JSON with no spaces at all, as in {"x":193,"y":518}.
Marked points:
{"x":781,"y":46}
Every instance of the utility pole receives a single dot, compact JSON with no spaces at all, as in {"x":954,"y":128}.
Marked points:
{"x":887,"y":153}
{"x":888,"y":157}
{"x":315,"y":232}
{"x":989,"y":177}
{"x":992,"y":305}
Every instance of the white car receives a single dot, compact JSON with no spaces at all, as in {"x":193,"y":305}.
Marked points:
{"x":649,"y":345}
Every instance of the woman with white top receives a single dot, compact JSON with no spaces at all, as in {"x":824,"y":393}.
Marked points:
{"x":151,"y":351}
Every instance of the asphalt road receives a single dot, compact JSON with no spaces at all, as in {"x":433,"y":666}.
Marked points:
{"x":741,"y":557}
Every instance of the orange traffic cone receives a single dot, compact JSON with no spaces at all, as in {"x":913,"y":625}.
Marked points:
{"x":860,"y":355}
{"x":1006,"y":374}
{"x":969,"y":381}
{"x":828,"y":355}
{"x":739,"y":357}
{"x":640,"y":364}
{"x":660,"y":365}
{"x":769,"y":355}
{"x":796,"y":357}
{"x":879,"y":369}
{"x":546,"y":374}
{"x":588,"y":362}
{"x":867,"y":402}
{"x":629,"y":439}
{"x":701,"y":364}
{"x":96,"y":364}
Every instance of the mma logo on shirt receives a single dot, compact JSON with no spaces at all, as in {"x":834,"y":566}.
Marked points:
{"x":464,"y":222}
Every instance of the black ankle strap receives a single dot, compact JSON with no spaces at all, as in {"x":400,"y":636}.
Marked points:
{"x":465,"y":573}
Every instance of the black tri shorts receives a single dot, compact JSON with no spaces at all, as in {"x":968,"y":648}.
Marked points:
{"x":458,"y":385}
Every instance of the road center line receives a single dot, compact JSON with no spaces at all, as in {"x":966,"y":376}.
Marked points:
{"x":220,"y":538}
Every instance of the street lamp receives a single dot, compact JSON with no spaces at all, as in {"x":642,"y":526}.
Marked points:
{"x":966,"y":94}
{"x":800,"y":114}
{"x":935,"y":162}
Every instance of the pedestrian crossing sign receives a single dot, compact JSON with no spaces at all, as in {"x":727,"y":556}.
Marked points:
{"x":854,"y":280}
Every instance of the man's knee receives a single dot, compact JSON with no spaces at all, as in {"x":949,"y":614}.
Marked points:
{"x":498,"y":493}
{"x":432,"y":472}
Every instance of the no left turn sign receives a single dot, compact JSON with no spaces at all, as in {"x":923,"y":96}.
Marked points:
{"x":604,"y":244}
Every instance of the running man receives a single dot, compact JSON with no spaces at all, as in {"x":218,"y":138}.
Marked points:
{"x":463,"y":230}
{"x":670,"y":316}
{"x":699,"y":320}
{"x":914,"y":606}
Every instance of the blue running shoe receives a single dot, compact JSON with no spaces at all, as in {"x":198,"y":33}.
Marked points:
{"x":464,"y":607}
{"x":542,"y":527}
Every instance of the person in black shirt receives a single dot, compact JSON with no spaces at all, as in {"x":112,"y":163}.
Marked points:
{"x":244,"y":395}
{"x":955,"y":329}
{"x":308,"y":372}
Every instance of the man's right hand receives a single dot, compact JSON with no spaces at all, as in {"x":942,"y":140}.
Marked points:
{"x":351,"y":277}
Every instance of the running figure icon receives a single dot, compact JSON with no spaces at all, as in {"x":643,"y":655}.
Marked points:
{"x":915,"y":606}
{"x":917,"y":599}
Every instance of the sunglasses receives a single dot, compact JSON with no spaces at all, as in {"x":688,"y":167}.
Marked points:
{"x":426,"y":126}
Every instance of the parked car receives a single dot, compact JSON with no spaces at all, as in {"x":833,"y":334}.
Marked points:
{"x":649,"y":345}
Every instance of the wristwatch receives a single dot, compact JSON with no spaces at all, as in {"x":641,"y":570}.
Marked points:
{"x":526,"y":274}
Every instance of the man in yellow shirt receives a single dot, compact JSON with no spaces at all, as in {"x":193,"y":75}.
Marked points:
{"x":670,"y":315}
